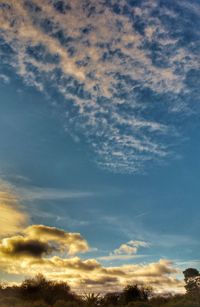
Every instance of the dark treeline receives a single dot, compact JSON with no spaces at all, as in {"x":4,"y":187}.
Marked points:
{"x":39,"y":292}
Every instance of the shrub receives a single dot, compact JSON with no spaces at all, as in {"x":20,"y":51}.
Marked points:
{"x":139,"y":304}
{"x":110,"y":299}
{"x":9,"y":301}
{"x":134,"y":293}
{"x":40,"y":303}
{"x":62,"y":303}
{"x":50,"y":291}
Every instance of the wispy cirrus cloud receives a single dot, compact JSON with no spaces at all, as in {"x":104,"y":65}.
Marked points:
{"x":124,"y":75}
{"x":38,"y":193}
{"x":31,"y":193}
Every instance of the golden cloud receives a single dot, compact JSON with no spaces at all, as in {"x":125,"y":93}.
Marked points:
{"x":38,"y":240}
{"x":83,"y":273}
{"x":43,"y":249}
{"x":72,"y":243}
{"x":19,"y":246}
{"x":12,"y":219}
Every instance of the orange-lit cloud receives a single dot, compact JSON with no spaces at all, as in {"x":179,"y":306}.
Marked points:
{"x":12,"y":218}
{"x":39,"y":249}
{"x":54,"y":252}
{"x":84,"y":274}
{"x":38,"y":240}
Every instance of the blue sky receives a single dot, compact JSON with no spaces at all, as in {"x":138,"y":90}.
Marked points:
{"x":106,"y":145}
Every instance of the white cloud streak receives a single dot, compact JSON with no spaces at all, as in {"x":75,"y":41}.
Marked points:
{"x":130,"y":248}
{"x":36,"y":193}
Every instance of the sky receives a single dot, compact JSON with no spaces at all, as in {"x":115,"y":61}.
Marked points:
{"x":99,"y":141}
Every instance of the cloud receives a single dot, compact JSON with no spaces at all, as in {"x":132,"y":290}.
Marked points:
{"x":12,"y":218}
{"x":38,"y":240}
{"x":36,"y":193}
{"x":120,"y":68}
{"x":35,"y":240}
{"x":53,"y":252}
{"x":32,"y":193}
{"x":73,"y":243}
{"x":160,"y":274}
{"x":5,"y":79}
{"x":83,"y":274}
{"x":130,"y":247}
{"x":19,"y":246}
{"x":113,"y":257}
{"x":126,"y":251}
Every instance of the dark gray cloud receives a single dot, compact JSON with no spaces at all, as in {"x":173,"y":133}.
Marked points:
{"x":20,"y":247}
{"x":39,"y":240}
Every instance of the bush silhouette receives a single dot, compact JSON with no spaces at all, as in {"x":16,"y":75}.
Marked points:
{"x":133,"y":293}
{"x":40,"y":292}
{"x":50,"y":291}
{"x":110,"y":299}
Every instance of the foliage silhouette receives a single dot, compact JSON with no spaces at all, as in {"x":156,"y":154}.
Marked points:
{"x":134,"y":293}
{"x":91,"y":299}
{"x":190,"y":273}
{"x":192,"y":284}
{"x":50,"y":291}
{"x":40,"y":292}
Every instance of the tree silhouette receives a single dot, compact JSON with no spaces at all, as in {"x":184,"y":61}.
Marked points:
{"x":190,"y":273}
{"x":110,"y":299}
{"x":50,"y":291}
{"x":91,"y":299}
{"x":192,"y":281}
{"x":135,"y":293}
{"x":39,"y":292}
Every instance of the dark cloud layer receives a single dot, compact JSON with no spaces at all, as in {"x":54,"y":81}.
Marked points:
{"x":21,"y":247}
{"x":39,"y":240}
